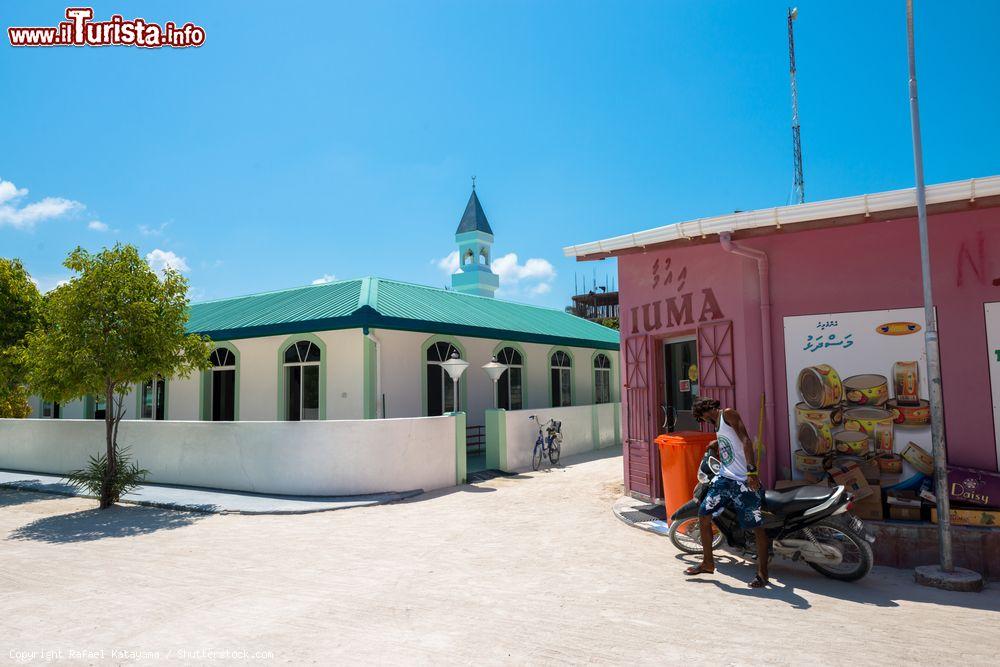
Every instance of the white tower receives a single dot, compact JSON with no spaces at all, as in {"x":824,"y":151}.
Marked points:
{"x":475,"y":243}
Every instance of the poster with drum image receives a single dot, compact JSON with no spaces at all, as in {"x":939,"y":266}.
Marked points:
{"x":857,"y":393}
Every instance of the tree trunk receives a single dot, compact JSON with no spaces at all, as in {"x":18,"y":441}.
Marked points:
{"x":110,"y":414}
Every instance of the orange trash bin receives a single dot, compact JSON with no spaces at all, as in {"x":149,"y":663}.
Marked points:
{"x":680,"y":456}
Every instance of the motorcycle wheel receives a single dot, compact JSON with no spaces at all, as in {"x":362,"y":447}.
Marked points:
{"x":554,"y":453}
{"x":854,"y":550}
{"x":685,"y":534}
{"x":536,"y":458}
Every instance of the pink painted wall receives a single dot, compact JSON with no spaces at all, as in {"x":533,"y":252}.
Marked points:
{"x":883,"y":271}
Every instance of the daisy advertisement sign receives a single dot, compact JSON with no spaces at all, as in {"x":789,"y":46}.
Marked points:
{"x":857,"y":392}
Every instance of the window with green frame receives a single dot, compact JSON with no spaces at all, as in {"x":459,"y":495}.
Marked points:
{"x":561,"y":383}
{"x":302,"y":381}
{"x":602,"y":379}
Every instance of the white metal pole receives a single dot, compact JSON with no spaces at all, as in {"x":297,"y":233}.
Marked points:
{"x":930,"y":332}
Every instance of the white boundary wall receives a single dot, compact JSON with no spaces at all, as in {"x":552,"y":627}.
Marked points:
{"x":584,"y":428}
{"x":295,"y":458}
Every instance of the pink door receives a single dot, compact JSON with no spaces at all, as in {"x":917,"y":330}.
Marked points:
{"x":716,"y":363}
{"x":640,"y":459}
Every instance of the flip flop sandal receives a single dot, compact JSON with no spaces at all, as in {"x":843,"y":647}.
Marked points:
{"x":698,"y":569}
{"x":758,"y":582}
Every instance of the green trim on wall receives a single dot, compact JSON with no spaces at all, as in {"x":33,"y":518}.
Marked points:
{"x":88,"y":407}
{"x":524,"y":369}
{"x":595,"y":427}
{"x":572,"y":374}
{"x":370,"y":378}
{"x":618,"y":425}
{"x":376,"y":321}
{"x":205,"y":385}
{"x":460,"y":450}
{"x":281,"y":372}
{"x":462,"y":384}
{"x":496,"y":439}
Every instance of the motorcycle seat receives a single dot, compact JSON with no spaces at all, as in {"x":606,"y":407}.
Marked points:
{"x":797,"y":499}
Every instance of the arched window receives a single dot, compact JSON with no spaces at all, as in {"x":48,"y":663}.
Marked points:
{"x":602,"y":379}
{"x":509,"y":386}
{"x":484,"y":257}
{"x":440,"y":388}
{"x":469,"y":258}
{"x":561,"y":383}
{"x":99,"y":407}
{"x":153,"y":399}
{"x":302,"y":369}
{"x":222,"y":385}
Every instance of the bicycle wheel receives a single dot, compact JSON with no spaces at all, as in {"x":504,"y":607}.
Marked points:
{"x":554,"y":453}
{"x":536,"y":457}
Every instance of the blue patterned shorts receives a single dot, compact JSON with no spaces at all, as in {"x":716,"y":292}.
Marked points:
{"x":724,"y":492}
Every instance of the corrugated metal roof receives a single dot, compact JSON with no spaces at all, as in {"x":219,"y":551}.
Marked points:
{"x":387,"y":304}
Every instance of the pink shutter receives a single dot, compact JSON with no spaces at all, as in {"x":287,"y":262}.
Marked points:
{"x":638,"y":448}
{"x":716,"y":364}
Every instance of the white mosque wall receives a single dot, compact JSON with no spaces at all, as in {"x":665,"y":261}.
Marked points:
{"x":343,"y":457}
{"x":402,"y":379}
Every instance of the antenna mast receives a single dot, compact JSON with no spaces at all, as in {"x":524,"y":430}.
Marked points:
{"x":799,"y":187}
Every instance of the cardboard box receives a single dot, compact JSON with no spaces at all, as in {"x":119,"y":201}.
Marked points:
{"x":870,"y":507}
{"x":970,"y":517}
{"x":974,"y":487}
{"x":853,"y":479}
{"x":899,"y":513}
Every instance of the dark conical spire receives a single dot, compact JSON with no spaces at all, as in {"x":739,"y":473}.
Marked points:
{"x":474,"y":218}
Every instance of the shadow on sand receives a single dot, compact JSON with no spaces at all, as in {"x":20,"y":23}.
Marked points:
{"x":882,"y":588}
{"x":96,"y":524}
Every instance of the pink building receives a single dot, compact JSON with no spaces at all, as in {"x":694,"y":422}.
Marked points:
{"x":771,"y":302}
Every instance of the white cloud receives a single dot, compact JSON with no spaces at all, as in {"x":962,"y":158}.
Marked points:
{"x":534,"y":269}
{"x":10,"y":192}
{"x":532,"y":278}
{"x":324,"y":279}
{"x":27,"y":216}
{"x":161,"y":260}
{"x":97,"y":226}
{"x":146,"y":230}
{"x":449,"y":263}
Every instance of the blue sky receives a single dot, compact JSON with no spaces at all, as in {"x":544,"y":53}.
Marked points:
{"x":337,"y":139}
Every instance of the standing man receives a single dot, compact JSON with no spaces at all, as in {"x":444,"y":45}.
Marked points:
{"x":736,"y":486}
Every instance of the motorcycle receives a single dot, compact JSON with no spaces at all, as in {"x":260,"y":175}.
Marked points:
{"x":808,"y":523}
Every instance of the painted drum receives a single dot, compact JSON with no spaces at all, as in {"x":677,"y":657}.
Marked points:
{"x":808,"y":463}
{"x":919,"y":458}
{"x":890,"y":464}
{"x":820,"y":386}
{"x":815,"y":427}
{"x":869,"y":389}
{"x":906,"y":382}
{"x":910,"y":415}
{"x":875,"y":422}
{"x":851,"y":442}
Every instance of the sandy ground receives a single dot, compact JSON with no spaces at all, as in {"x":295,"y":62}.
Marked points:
{"x":533,"y":569}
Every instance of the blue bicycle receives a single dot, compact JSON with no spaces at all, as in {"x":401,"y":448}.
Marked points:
{"x":548,"y":443}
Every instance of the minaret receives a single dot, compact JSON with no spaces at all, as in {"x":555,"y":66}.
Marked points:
{"x":475,"y":241}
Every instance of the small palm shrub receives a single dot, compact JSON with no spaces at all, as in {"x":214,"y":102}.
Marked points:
{"x":127,"y":475}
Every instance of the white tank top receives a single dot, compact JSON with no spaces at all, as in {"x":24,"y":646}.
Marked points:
{"x":731,"y":452}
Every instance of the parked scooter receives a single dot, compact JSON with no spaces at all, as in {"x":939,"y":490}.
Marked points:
{"x":809,"y":523}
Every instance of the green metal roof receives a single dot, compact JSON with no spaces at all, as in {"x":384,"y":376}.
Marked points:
{"x":387,"y":304}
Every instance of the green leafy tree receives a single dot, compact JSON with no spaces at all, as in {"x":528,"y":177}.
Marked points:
{"x":20,"y":312}
{"x":114,"y":324}
{"x":609,"y":322}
